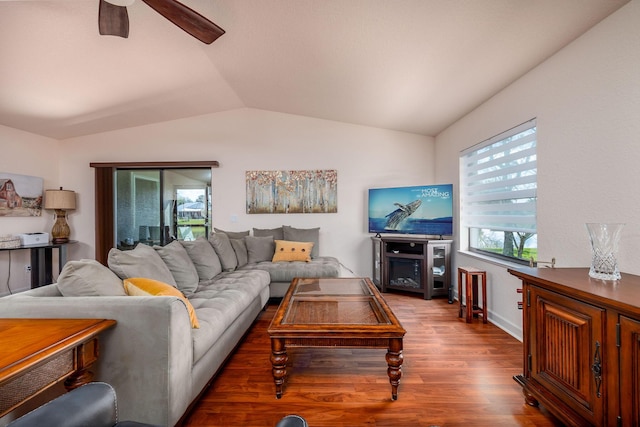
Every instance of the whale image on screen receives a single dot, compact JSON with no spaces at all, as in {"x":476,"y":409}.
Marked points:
{"x":426,"y":209}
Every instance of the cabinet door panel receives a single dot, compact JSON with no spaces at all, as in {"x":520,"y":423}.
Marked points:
{"x":566,"y":341}
{"x":630,"y":371}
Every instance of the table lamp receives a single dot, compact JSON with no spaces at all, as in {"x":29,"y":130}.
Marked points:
{"x":61,"y":201}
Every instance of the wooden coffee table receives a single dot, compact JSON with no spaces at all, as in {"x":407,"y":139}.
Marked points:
{"x":335,"y":312}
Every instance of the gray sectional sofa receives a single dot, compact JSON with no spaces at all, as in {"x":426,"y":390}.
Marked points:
{"x":155,"y":358}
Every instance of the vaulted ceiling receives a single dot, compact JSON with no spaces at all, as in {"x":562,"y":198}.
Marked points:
{"x":407,"y":65}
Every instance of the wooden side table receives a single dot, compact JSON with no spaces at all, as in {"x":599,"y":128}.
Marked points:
{"x":474,"y":279}
{"x":35,"y":354}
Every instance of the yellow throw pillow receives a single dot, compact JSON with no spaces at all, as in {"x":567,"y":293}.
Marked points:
{"x":292,"y":251}
{"x":143,"y":287}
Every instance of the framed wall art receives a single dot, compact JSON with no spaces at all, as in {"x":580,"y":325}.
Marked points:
{"x":20,"y":195}
{"x":304,"y":191}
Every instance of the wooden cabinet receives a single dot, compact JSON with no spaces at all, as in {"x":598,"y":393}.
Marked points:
{"x":581,"y":340}
{"x":412,"y":264}
{"x":630,"y":370}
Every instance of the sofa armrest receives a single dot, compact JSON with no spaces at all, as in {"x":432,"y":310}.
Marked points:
{"x":147,"y":357}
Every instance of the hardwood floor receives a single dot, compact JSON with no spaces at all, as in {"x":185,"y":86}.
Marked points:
{"x":454,"y":374}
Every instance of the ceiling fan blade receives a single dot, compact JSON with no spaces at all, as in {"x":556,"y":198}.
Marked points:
{"x":113,"y":20}
{"x":187,"y":19}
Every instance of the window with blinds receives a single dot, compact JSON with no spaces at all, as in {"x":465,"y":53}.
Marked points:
{"x":498,"y":184}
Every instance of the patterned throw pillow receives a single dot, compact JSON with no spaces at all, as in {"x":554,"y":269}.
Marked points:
{"x":292,"y":251}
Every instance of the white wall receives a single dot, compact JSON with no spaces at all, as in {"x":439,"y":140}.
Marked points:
{"x":248,"y":139}
{"x":25,"y":154}
{"x":587,"y":102}
{"x":586,"y":99}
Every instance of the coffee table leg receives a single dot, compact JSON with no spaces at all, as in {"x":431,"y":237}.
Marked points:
{"x":394,"y":360}
{"x":279,"y":364}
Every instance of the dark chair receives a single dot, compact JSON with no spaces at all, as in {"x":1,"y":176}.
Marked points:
{"x":292,"y":421}
{"x":93,"y":404}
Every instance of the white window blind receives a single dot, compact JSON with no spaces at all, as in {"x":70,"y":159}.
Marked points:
{"x":498,"y":181}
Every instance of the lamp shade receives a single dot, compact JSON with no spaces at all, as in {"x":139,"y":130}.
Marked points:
{"x":60,"y":199}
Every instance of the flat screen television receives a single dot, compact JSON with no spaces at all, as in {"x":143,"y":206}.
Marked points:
{"x":426,"y":209}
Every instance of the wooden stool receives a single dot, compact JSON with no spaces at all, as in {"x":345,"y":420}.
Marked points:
{"x":473,"y":277}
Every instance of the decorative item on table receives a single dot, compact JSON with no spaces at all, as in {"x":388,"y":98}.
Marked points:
{"x":37,"y":238}
{"x":604,"y":250}
{"x":61,"y":201}
{"x":9,"y":242}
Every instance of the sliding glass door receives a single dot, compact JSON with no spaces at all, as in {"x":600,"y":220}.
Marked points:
{"x":156,"y":206}
{"x":137,"y":208}
{"x":151,"y":203}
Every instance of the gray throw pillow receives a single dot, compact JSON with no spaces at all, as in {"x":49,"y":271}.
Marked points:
{"x":88,"y":277}
{"x":142,"y":261}
{"x":260,"y":248}
{"x":175,"y":256}
{"x":204,"y":258}
{"x":304,"y":235}
{"x":240,"y":248}
{"x":222,"y":246}
{"x":276,"y":233}
{"x":233,"y":234}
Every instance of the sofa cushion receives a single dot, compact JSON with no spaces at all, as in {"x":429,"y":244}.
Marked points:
{"x":204,"y":257}
{"x":175,"y":256}
{"x":259,"y":248}
{"x":287,"y":271}
{"x":88,"y":277}
{"x":292,"y":251}
{"x":222,"y":246}
{"x":240,"y":248}
{"x":276,"y":233}
{"x":142,"y":261}
{"x":233,"y":234}
{"x":304,"y":235}
{"x":143,"y":287}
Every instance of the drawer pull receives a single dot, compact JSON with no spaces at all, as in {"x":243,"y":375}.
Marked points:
{"x":596,"y":368}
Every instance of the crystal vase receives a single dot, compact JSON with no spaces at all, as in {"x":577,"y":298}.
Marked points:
{"x":604,"y":249}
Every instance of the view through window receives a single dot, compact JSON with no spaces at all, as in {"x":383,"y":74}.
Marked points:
{"x":498,"y":192}
{"x":156,"y":206}
{"x":193,"y":212}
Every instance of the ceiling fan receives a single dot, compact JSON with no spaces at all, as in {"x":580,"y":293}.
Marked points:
{"x":113,"y":19}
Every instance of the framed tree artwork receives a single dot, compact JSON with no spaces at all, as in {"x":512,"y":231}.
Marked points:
{"x":303,"y":191}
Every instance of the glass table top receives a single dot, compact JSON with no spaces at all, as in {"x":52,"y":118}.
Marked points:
{"x":345,"y":301}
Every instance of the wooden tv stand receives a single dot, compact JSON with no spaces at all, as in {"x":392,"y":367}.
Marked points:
{"x":581,"y":345}
{"x":412,"y":264}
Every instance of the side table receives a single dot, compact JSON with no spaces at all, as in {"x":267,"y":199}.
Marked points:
{"x":35,"y":354}
{"x":42,"y":260}
{"x":474,"y":279}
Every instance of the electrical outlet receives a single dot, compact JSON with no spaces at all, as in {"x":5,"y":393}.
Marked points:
{"x":27,"y":268}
